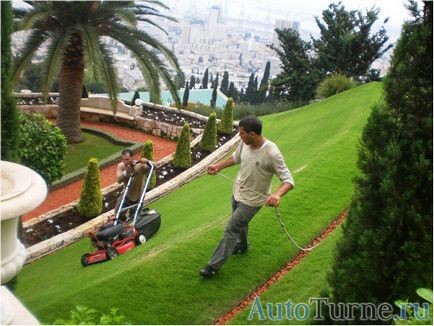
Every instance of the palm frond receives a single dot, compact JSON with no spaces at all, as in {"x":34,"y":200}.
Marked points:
{"x":168,"y":80}
{"x":53,"y":61}
{"x":147,"y":61}
{"x":91,"y":48}
{"x":154,"y":3}
{"x":157,"y":14}
{"x":38,"y":13}
{"x":108,"y":74}
{"x":34,"y":41}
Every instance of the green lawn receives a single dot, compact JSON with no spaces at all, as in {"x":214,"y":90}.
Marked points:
{"x":305,"y":281}
{"x":158,"y":283}
{"x":93,"y":146}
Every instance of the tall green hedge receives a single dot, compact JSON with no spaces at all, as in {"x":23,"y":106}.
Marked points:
{"x":90,"y":204}
{"x":182,"y":157}
{"x":209,"y":137}
{"x":9,"y":115}
{"x":226,"y":123}
{"x":386,"y":251}
{"x":148,"y":153}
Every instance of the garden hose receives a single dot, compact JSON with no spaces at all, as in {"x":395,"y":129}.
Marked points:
{"x":279,"y":218}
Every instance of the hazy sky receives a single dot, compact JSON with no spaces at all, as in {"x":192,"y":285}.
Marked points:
{"x":303,"y":11}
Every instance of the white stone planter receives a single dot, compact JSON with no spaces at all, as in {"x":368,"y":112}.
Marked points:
{"x":22,"y":190}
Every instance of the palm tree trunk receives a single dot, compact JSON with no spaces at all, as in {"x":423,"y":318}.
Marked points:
{"x":70,"y":86}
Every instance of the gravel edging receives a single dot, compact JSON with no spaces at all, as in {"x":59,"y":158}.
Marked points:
{"x":62,"y":240}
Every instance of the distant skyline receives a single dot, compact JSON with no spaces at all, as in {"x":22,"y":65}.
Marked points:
{"x":296,"y":10}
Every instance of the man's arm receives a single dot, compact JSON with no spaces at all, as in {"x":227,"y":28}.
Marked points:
{"x":274,"y":198}
{"x":215,"y":168}
{"x":120,"y":175}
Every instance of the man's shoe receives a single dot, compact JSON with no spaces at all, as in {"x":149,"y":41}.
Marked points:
{"x":207,"y":271}
{"x":239,"y":250}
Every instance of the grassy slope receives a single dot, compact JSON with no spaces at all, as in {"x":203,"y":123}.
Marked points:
{"x":158,"y":282}
{"x":305,"y":281}
{"x":93,"y":146}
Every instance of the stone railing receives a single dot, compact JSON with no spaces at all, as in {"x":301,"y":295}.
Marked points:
{"x":99,"y":109}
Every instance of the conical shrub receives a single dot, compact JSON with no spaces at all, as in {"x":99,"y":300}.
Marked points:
{"x":90,"y":204}
{"x":226,"y":123}
{"x":182,"y":157}
{"x":148,"y":153}
{"x":209,"y":137}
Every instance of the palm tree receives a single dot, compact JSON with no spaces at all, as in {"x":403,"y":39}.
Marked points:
{"x":75,"y":34}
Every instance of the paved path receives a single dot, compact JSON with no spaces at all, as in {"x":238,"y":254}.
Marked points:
{"x":71,"y":192}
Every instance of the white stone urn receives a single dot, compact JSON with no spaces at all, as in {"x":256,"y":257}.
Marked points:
{"x":22,"y":190}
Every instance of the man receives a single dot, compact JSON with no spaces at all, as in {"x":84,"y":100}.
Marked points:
{"x":123,"y":173}
{"x":259,"y":160}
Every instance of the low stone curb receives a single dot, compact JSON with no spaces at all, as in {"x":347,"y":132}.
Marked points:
{"x":55,"y":243}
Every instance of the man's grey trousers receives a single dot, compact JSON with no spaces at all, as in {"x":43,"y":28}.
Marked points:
{"x":235,"y":234}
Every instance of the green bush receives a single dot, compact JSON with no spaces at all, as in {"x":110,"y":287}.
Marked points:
{"x":90,"y":204}
{"x":209,"y":137}
{"x":42,"y":146}
{"x":148,"y":153}
{"x":83,"y":315}
{"x":182,"y":157}
{"x":333,"y":85}
{"x":227,"y":121}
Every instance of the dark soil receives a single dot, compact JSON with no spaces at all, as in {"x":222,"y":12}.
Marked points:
{"x":177,"y":119}
{"x":71,"y":219}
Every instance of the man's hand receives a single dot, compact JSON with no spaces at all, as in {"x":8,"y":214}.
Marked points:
{"x":273,"y":200}
{"x":129,"y":169}
{"x":213,"y":169}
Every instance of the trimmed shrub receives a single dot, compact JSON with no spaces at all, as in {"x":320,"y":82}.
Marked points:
{"x":209,"y":137}
{"x":333,"y":85}
{"x":42,"y":146}
{"x":90,"y":204}
{"x":227,"y":121}
{"x":148,"y":153}
{"x":182,"y":157}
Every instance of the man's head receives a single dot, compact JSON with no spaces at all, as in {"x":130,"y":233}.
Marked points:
{"x":127,"y":156}
{"x":250,"y":129}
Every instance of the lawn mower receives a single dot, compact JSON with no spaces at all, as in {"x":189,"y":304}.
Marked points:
{"x":117,"y":237}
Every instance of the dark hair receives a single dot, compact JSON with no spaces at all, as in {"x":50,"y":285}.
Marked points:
{"x":251,"y":123}
{"x":127,"y":151}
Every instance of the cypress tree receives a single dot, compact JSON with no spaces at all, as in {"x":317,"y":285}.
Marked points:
{"x":224,"y":87}
{"x":90,"y":203}
{"x":386,"y":251}
{"x":226,"y":123}
{"x":251,"y":90}
{"x":209,"y":137}
{"x":185,"y":97}
{"x":263,"y":86}
{"x":205,"y":79}
{"x":135,"y":97}
{"x":214,"y":96}
{"x":182,"y":159}
{"x":232,"y":92}
{"x":84,"y":93}
{"x":9,"y":115}
{"x":148,"y":153}
{"x":192,"y":81}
